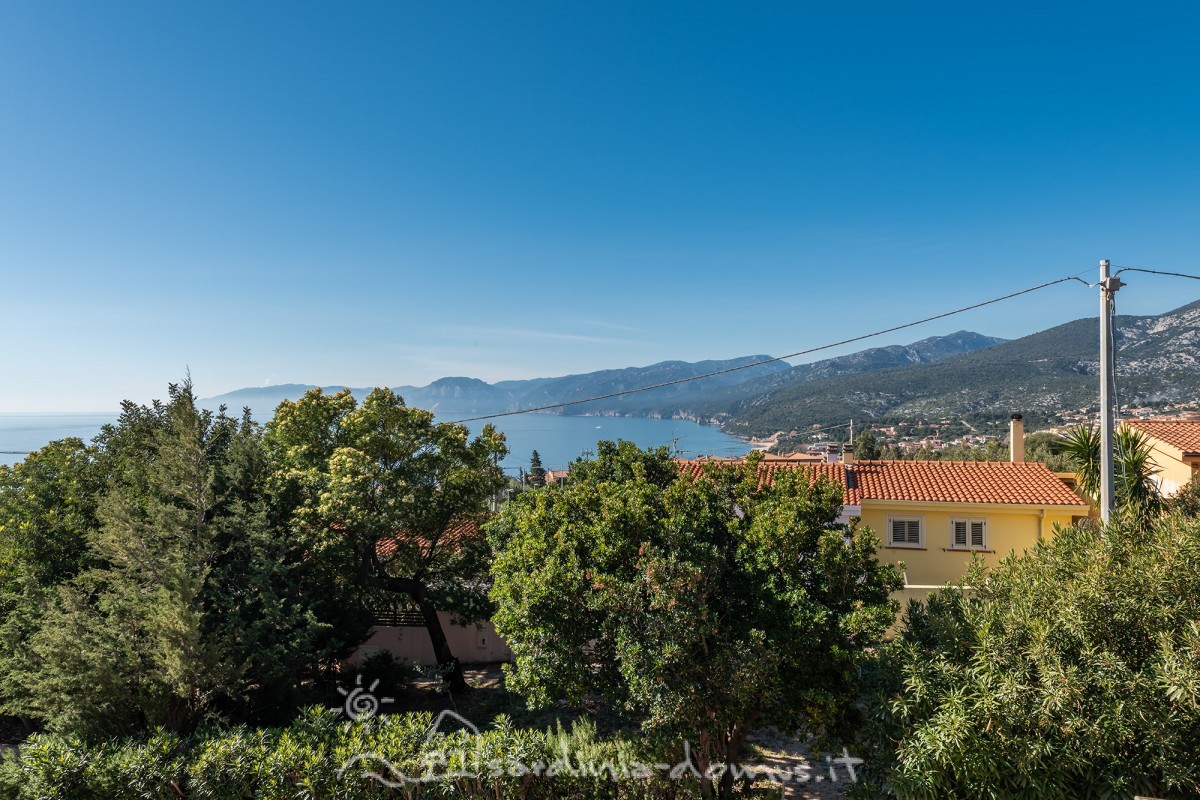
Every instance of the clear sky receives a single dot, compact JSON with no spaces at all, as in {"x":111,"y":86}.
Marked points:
{"x":386,"y":193}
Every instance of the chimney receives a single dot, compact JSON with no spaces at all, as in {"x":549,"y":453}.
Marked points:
{"x":1016,"y":439}
{"x":848,"y":454}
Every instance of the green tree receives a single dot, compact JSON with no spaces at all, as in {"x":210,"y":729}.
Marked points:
{"x":47,"y":508}
{"x":1047,"y":448}
{"x":1186,"y":501}
{"x":186,"y":609}
{"x":866,"y":446}
{"x":1068,"y":672}
{"x":705,"y":607}
{"x":380,"y":490}
{"x":1136,"y":492}
{"x":537,"y":473}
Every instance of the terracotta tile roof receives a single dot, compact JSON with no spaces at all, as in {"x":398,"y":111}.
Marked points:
{"x":456,"y":533}
{"x":768,"y":469}
{"x":1182,"y":435}
{"x":802,"y":458}
{"x":1024,"y":483}
{"x":1002,"y":482}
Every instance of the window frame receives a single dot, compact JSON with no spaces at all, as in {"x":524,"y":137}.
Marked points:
{"x":918,"y":518}
{"x":968,"y":547}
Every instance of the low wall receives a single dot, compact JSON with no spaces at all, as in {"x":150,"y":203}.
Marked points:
{"x":471,"y":644}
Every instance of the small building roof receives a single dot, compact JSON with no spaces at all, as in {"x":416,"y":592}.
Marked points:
{"x":456,"y":534}
{"x":1183,"y":435}
{"x":1002,"y":482}
{"x":992,"y":482}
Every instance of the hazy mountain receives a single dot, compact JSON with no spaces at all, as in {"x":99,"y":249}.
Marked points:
{"x":693,"y":400}
{"x":719,"y":403}
{"x":1158,"y":357}
{"x":457,"y":395}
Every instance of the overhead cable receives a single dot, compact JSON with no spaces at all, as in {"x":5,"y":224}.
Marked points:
{"x":760,"y":363}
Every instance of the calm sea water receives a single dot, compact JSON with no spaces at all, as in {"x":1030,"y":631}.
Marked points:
{"x":558,"y":440}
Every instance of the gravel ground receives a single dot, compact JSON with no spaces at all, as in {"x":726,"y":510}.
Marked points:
{"x":811,"y":777}
{"x":773,"y":753}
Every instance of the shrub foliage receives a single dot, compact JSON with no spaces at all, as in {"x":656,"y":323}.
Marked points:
{"x":323,"y":756}
{"x":1069,"y":672}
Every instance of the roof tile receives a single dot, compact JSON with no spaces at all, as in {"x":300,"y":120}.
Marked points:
{"x":1026,"y":483}
{"x":1182,"y":435}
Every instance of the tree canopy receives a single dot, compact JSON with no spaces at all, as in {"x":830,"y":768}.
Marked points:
{"x":705,"y":607}
{"x":1067,"y":672}
{"x":149,"y":587}
{"x":382,"y":488}
{"x":186,"y":567}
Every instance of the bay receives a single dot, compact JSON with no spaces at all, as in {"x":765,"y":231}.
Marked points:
{"x":558,"y":439}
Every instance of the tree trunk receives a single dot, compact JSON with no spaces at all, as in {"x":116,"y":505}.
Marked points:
{"x":448,"y":665}
{"x":733,"y":758}
{"x":703,"y":762}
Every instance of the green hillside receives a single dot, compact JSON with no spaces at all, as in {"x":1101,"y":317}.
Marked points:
{"x":1038,"y":375}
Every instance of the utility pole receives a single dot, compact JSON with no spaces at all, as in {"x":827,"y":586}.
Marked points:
{"x":1108,"y":287}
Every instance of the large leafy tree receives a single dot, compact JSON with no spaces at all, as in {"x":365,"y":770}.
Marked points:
{"x":866,"y":446}
{"x":183,"y":602}
{"x":1071,"y":671}
{"x":47,"y":508}
{"x":385,"y":492}
{"x":705,"y":607}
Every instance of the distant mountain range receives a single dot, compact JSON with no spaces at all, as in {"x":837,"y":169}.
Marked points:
{"x":965,"y":375}
{"x":473,"y":396}
{"x":691,"y":400}
{"x":1158,"y":358}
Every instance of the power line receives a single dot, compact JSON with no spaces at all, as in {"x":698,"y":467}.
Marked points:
{"x":727,"y":370}
{"x":1158,"y":272}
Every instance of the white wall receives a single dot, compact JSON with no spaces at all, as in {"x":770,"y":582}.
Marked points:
{"x":471,"y":644}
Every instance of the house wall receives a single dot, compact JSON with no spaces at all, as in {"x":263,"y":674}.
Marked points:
{"x":1009,"y":529}
{"x":470,"y":644}
{"x":1175,"y":472}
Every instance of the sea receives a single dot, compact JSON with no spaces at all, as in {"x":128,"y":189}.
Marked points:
{"x":559,"y":440}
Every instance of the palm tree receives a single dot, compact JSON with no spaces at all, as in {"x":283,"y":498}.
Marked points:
{"x":1138,"y":498}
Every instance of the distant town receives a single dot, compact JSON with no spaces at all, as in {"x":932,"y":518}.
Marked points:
{"x":913,"y":436}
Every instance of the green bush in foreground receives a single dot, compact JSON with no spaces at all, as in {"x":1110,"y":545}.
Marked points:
{"x":1070,"y":672}
{"x":703,"y":606}
{"x":322,"y":756}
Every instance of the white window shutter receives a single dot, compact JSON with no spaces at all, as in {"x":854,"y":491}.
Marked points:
{"x":906,"y":531}
{"x":977,"y":527}
{"x":960,"y":533}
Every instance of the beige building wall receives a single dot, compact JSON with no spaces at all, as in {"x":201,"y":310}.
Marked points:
{"x":936,"y":562}
{"x":1174,"y":472}
{"x":470,"y":644}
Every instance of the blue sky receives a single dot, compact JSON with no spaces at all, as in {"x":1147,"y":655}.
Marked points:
{"x":389,"y":193}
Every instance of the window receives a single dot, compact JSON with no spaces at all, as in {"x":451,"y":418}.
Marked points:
{"x":968,"y":534}
{"x":906,"y":531}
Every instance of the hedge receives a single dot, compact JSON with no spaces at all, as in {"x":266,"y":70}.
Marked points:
{"x":322,"y":756}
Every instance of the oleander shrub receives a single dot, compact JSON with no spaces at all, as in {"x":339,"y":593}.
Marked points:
{"x":323,"y":756}
{"x":1187,"y":500}
{"x":54,"y":767}
{"x":1072,"y":671}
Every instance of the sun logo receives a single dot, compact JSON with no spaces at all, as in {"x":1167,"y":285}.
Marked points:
{"x":362,"y":703}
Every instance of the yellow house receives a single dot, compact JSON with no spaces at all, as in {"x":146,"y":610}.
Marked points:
{"x":933,"y":517}
{"x":1175,"y":450}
